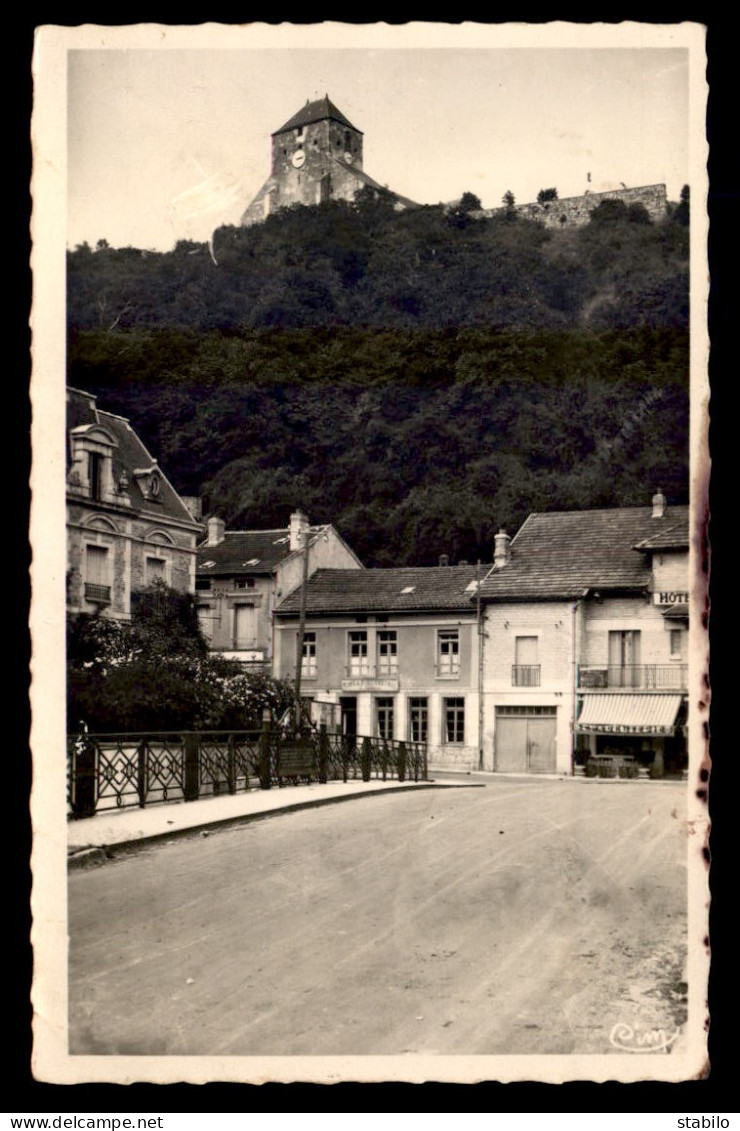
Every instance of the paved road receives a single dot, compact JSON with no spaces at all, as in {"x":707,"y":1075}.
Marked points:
{"x":518,"y":917}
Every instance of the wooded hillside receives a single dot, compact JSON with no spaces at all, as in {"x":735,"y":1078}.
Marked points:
{"x":417,"y":378}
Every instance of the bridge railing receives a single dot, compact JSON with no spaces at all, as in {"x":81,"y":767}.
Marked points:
{"x":116,"y":771}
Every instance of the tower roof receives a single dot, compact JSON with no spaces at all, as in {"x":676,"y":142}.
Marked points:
{"x":316,"y":112}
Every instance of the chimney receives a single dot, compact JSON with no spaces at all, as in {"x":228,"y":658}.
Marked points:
{"x":216,"y":528}
{"x":299,"y":525}
{"x":444,"y":559}
{"x":501,"y":552}
{"x":659,"y":502}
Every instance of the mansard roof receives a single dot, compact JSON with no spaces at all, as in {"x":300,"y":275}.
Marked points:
{"x":412,"y":589}
{"x":563,"y":555}
{"x":316,"y":111}
{"x":129,"y":455}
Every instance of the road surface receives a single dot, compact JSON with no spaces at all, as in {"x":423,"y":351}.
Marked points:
{"x":516,"y":917}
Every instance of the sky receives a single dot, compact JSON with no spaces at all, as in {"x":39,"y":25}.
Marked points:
{"x":169,"y":139}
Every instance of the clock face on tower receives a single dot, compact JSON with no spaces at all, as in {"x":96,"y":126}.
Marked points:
{"x":348,"y":157}
{"x":298,"y":158}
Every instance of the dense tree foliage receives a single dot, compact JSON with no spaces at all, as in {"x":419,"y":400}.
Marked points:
{"x":155,"y":674}
{"x":418,"y":378}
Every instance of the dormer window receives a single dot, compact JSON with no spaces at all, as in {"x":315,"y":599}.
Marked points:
{"x":91,"y":473}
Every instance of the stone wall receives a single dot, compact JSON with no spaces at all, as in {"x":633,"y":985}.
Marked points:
{"x":574,"y":211}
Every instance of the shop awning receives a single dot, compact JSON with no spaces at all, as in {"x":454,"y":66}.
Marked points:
{"x":628,"y":714}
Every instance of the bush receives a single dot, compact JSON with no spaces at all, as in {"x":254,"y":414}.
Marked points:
{"x":156,"y":674}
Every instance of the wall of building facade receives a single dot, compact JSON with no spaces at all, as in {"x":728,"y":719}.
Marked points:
{"x":326,"y":551}
{"x":330,"y":150}
{"x":219,"y":604}
{"x":628,"y":614}
{"x":671,"y":574}
{"x":218,"y":610}
{"x":417,"y":675}
{"x":544,"y":683}
{"x":130,"y":544}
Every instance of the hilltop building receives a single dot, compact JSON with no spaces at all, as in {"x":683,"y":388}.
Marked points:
{"x":316,"y":156}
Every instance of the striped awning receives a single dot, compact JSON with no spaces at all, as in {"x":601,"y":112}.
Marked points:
{"x":628,"y":714}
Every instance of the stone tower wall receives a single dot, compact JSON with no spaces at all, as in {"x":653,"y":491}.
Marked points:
{"x":325,"y":174}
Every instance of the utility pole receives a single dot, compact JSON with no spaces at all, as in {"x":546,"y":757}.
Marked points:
{"x":306,"y":535}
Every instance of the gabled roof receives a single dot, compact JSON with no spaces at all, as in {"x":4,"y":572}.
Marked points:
{"x":675,"y":537}
{"x":425,"y":588}
{"x":130,"y":455}
{"x":564,"y":554}
{"x":247,"y":551}
{"x":316,"y":112}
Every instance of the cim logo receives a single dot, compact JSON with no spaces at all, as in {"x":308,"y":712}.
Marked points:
{"x":630,"y":1038}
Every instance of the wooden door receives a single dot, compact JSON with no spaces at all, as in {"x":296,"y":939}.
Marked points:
{"x":511,"y":744}
{"x":541,"y":745}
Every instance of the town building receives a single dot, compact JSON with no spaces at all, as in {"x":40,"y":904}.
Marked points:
{"x":242,"y":574}
{"x":390,"y":652}
{"x":126,"y":525}
{"x":316,"y":156}
{"x":573,"y":644}
{"x":586,"y":630}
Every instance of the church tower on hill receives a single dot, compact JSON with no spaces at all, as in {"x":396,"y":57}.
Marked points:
{"x":316,"y":156}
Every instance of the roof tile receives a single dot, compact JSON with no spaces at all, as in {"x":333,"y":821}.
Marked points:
{"x":387,"y":590}
{"x":563,"y":554}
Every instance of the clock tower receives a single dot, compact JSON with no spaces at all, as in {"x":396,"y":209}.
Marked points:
{"x":316,"y":156}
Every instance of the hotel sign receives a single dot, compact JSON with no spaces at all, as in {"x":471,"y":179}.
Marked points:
{"x":669,"y":597}
{"x":371,"y":683}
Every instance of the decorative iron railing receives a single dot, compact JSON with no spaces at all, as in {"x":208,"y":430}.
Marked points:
{"x":525,"y":675}
{"x":117,"y":771}
{"x":641,"y":677}
{"x":356,"y":758}
{"x":95,"y":592}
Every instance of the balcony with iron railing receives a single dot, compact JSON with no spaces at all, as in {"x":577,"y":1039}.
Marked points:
{"x":636,"y":677}
{"x":369,"y":674}
{"x":525,"y":675}
{"x":100,"y":594}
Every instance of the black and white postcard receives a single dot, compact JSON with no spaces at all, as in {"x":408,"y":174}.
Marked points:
{"x":370,"y":477}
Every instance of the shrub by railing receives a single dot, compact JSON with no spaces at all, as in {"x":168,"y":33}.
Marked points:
{"x":117,"y":771}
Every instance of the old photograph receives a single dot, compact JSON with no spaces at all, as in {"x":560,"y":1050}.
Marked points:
{"x":370,"y":474}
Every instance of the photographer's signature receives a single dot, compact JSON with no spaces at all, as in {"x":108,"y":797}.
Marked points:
{"x":631,"y":1038}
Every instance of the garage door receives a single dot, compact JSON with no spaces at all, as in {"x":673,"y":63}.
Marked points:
{"x":525,"y":740}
